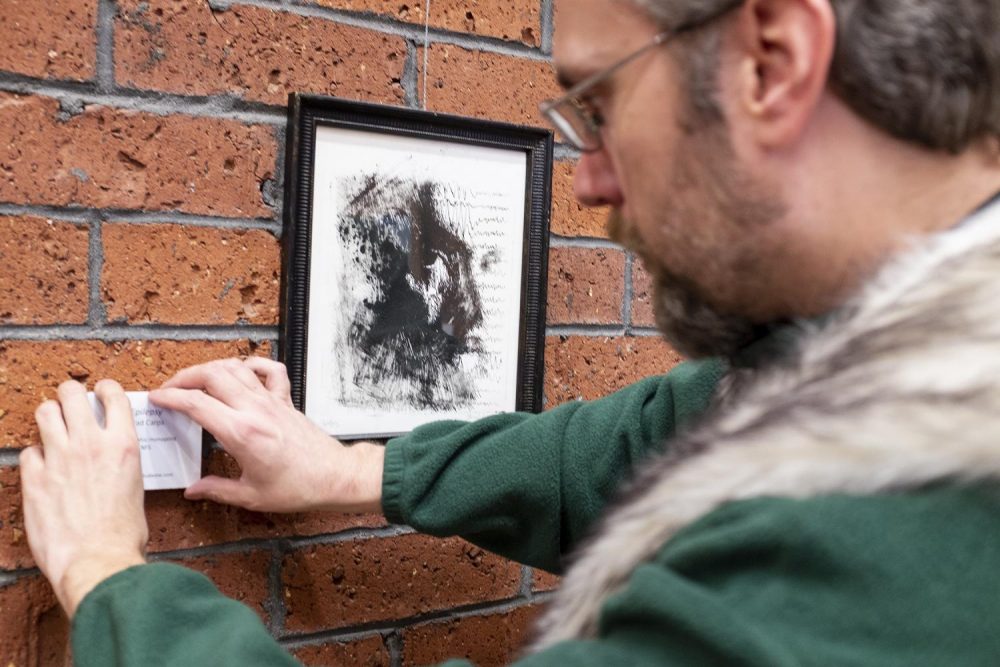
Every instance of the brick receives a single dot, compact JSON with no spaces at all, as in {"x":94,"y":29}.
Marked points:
{"x":584,"y":368}
{"x":379,"y":579}
{"x":31,"y":371}
{"x":368,"y":652}
{"x":569,"y":217}
{"x":176,"y":523}
{"x":514,"y":20}
{"x":544,"y":581}
{"x":52,"y":40}
{"x":43,"y":271}
{"x":184,"y":46}
{"x":240,"y":576}
{"x":14,"y":552}
{"x":35,"y":630}
{"x":110,"y":158}
{"x":482,"y":640}
{"x":642,"y":296}
{"x":486,"y":85}
{"x":585,"y":286}
{"x":190,"y":275}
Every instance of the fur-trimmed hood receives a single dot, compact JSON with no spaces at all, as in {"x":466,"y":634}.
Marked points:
{"x":897,"y":390}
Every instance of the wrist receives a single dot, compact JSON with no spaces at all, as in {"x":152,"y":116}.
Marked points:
{"x":361,"y":492}
{"x":86,"y":572}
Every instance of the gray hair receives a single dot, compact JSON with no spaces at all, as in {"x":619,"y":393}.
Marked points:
{"x":925,"y":71}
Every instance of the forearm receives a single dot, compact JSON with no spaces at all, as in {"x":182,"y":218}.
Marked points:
{"x":529,"y":487}
{"x":492,"y":482}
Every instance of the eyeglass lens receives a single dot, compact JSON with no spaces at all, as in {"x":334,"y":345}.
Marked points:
{"x":574,"y":124}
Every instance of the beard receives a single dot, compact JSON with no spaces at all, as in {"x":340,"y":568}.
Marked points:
{"x":688,"y":321}
{"x":715,"y":188}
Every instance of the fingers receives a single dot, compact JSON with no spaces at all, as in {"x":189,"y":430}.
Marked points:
{"x":31,"y":463}
{"x":117,"y":409}
{"x":51,"y":426}
{"x":275,"y":376}
{"x":76,"y":410}
{"x":221,"y":490}
{"x":32,"y":469}
{"x":242,"y":373}
{"x":227,"y":380}
{"x":213,"y":415}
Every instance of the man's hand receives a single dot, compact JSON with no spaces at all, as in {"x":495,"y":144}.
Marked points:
{"x":83,"y":492}
{"x":288,"y":463}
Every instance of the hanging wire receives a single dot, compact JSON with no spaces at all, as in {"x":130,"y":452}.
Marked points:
{"x":427,"y":44}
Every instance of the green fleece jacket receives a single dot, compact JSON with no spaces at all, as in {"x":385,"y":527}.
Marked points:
{"x":832,"y":580}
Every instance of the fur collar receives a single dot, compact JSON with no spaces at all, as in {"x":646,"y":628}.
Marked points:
{"x":899,"y":389}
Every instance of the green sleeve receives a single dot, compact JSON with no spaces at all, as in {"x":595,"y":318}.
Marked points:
{"x":529,"y":487}
{"x":163,"y":614}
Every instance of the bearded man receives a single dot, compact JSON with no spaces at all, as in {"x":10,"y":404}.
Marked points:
{"x":812,"y":185}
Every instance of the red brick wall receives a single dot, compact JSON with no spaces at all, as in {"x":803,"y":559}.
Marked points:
{"x":141,"y":159}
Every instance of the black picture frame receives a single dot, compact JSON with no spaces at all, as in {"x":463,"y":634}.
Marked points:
{"x":313,"y":118}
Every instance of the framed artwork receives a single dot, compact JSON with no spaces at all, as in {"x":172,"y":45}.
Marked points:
{"x":414,"y":266}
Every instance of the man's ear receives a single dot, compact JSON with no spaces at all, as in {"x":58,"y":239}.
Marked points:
{"x":785,"y":48}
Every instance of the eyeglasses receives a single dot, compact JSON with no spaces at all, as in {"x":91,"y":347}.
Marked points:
{"x":574,"y":116}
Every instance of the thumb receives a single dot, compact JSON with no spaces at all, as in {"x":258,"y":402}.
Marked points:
{"x":220,"y":490}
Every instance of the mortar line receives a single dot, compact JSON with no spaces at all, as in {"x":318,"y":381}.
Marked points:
{"x":292,"y":643}
{"x":275,"y":604}
{"x":591,"y":242}
{"x":294,"y":543}
{"x":80,"y":217}
{"x":222,"y":106}
{"x":233,"y":224}
{"x":627,"y":293}
{"x":225,"y":548}
{"x":601,"y":331}
{"x":463,"y":611}
{"x":645,"y":332}
{"x":281,"y":544}
{"x":106,"y":11}
{"x":83,"y":216}
{"x":143,"y":332}
{"x":527,"y":579}
{"x":548,"y":25}
{"x":394,"y":645}
{"x":411,"y":77}
{"x":96,"y":312}
{"x":391,"y":26}
{"x":10,"y":457}
{"x":585,"y":330}
{"x":11,"y":576}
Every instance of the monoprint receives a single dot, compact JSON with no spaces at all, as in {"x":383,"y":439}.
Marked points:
{"x":412,"y":317}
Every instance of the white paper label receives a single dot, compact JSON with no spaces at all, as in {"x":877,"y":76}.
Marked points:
{"x":169,"y":442}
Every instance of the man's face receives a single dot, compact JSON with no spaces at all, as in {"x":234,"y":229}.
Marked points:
{"x":680,"y":198}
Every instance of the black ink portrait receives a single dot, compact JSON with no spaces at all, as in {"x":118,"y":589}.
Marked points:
{"x":412,"y":316}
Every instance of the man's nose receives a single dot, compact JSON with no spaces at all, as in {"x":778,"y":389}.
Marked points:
{"x":595,"y":182}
